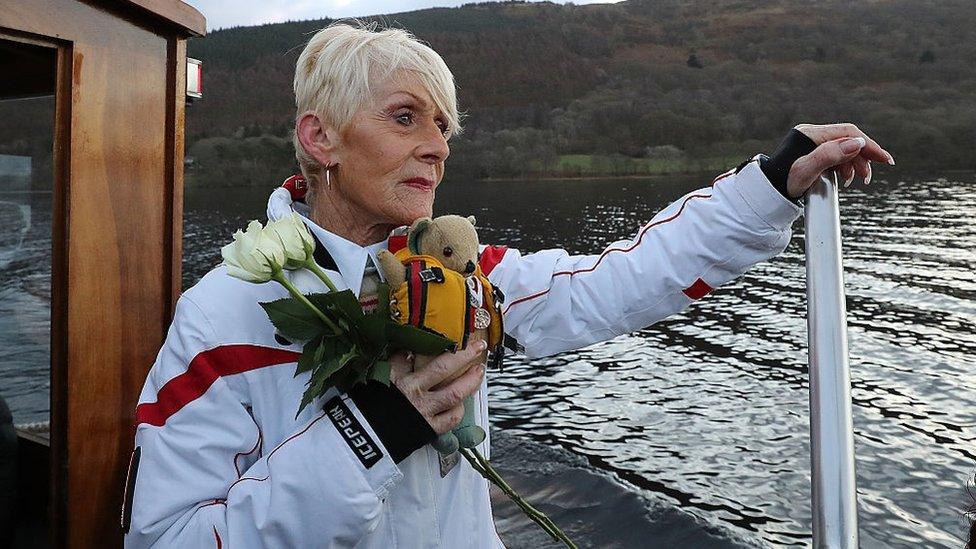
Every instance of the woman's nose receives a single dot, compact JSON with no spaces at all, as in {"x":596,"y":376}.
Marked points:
{"x":434,"y":148}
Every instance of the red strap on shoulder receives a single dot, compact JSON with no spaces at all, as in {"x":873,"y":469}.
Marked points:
{"x":416,"y":292}
{"x":297,"y":186}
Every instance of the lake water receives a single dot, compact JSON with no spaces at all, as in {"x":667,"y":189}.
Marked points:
{"x":707,"y":411}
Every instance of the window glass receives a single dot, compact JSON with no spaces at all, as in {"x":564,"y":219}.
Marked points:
{"x":26,"y":183}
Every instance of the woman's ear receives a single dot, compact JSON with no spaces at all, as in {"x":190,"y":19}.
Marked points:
{"x":318,"y":139}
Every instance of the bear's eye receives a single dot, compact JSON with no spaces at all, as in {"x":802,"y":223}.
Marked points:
{"x":448,"y":251}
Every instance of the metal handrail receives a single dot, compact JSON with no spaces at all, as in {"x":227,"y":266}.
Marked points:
{"x":834,"y":496}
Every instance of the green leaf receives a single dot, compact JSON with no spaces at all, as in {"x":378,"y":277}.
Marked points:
{"x":381,"y":372}
{"x":403,"y":336}
{"x":373,"y":329}
{"x":343,"y":304}
{"x":329,"y":346}
{"x":314,"y":389}
{"x":383,"y":294}
{"x":307,"y":397}
{"x":357,"y":354}
{"x":294,"y":319}
{"x":319,"y":376}
{"x":307,"y":360}
{"x":358,"y":376}
{"x":331,"y":367}
{"x":349,"y":356}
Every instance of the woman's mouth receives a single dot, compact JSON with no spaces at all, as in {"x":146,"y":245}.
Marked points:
{"x":419,"y":183}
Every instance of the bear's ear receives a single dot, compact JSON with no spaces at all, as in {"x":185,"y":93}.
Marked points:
{"x":415,"y":232}
{"x":471,"y":220}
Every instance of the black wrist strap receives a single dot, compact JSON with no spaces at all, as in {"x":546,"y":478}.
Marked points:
{"x":777,"y":167}
{"x":399,"y":426}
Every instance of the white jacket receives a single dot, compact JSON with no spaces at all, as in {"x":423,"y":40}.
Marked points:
{"x":222,"y":461}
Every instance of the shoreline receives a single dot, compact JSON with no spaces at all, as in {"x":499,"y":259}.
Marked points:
{"x":914,"y":170}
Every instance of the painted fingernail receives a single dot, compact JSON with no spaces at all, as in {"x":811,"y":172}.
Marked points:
{"x":848,"y":180}
{"x":851,"y":145}
{"x":891,"y":161}
{"x":481,"y":345}
{"x":867,"y":179}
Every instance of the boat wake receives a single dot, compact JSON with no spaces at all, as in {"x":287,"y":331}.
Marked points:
{"x":594,"y":509}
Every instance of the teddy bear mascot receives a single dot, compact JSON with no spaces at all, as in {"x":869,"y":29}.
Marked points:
{"x":437,"y":285}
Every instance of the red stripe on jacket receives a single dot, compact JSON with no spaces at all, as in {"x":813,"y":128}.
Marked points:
{"x":698,"y":290}
{"x":490,"y":257}
{"x":203,"y":371}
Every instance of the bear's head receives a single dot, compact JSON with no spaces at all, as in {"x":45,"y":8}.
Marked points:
{"x":452,"y":239}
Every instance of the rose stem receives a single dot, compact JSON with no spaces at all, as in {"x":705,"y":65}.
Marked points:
{"x":484,"y":467}
{"x":314,"y":267}
{"x":504,"y":485}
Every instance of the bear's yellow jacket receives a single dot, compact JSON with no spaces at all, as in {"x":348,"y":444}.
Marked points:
{"x":439,"y":299}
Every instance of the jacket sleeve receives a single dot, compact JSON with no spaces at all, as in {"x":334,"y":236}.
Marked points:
{"x":557,"y":302}
{"x":195,"y":480}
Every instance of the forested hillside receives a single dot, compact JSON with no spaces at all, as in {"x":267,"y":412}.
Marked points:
{"x":636,"y":87}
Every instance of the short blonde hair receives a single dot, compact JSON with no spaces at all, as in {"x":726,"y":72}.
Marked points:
{"x":334,"y":71}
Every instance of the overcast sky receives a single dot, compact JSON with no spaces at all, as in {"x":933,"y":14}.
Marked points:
{"x":233,"y":13}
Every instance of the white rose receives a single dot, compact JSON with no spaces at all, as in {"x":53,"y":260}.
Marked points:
{"x":253,"y":256}
{"x":295,"y":239}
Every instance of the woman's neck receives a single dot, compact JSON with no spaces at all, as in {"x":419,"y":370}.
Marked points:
{"x":341,"y":218}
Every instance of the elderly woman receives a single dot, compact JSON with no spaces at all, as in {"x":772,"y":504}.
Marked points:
{"x":222,"y":460}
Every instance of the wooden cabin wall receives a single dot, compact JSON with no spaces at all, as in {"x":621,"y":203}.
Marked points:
{"x":116,"y":271}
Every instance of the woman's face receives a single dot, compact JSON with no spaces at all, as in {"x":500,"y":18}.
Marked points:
{"x":391,"y":157}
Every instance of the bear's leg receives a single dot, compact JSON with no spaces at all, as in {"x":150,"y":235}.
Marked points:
{"x":446,"y":444}
{"x":468,"y":433}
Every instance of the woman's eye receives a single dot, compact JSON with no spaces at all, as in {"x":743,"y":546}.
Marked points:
{"x":448,"y":252}
{"x":406,"y":119}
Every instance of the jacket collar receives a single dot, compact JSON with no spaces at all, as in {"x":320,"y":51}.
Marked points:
{"x":331,"y":250}
{"x":348,"y":258}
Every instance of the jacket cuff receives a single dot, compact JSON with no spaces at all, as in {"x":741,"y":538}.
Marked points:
{"x":399,"y":426}
{"x":774,"y":208}
{"x":777,"y":167}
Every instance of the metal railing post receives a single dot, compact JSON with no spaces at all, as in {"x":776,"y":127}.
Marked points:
{"x":833,"y":488}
